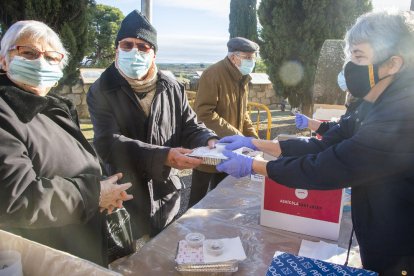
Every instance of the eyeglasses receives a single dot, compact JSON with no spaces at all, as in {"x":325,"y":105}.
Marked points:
{"x":250,"y":57}
{"x":127,"y":46}
{"x":52,"y":57}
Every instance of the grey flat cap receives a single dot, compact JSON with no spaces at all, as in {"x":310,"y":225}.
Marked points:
{"x":241,"y":44}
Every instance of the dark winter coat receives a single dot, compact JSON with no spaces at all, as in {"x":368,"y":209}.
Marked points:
{"x":352,"y":108}
{"x":130,"y":142}
{"x":49,"y":174}
{"x":376,"y":159}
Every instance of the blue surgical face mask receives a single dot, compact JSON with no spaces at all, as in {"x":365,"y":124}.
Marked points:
{"x":341,"y":81}
{"x":134,"y":64}
{"x":246,"y":66}
{"x":36,"y":73}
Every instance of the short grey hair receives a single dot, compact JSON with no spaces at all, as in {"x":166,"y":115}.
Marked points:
{"x":230,"y":54}
{"x":34,"y":30}
{"x":388,"y":33}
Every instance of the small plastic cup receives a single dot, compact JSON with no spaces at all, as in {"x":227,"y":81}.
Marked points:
{"x":195,"y":240}
{"x":214,"y":247}
{"x":10,"y":263}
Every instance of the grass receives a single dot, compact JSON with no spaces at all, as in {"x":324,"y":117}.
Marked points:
{"x":87,"y":130}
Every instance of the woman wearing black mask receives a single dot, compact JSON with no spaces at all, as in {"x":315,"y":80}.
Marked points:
{"x":376,"y":158}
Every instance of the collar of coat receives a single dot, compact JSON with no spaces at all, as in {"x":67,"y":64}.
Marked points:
{"x":403,"y":83}
{"x":27,"y":105}
{"x":235,"y":72}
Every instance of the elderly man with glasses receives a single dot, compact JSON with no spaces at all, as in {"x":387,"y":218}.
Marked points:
{"x":221,"y":104}
{"x":144,"y":127}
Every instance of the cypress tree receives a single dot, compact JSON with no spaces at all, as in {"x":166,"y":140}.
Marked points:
{"x":292,"y":35}
{"x":243,"y":19}
{"x":66,"y":17}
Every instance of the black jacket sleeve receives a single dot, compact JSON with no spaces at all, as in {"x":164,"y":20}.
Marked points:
{"x":336,"y":134}
{"x":118,"y":150}
{"x":382,"y":148}
{"x":30,"y":201}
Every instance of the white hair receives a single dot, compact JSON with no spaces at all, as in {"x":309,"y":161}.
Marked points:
{"x":230,"y":54}
{"x":36,"y":31}
{"x":387,"y":32}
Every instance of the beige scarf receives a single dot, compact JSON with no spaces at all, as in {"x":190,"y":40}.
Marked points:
{"x":144,"y":89}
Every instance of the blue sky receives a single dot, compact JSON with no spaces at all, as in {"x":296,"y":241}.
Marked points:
{"x":193,"y":31}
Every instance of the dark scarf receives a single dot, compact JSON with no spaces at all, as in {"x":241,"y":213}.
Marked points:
{"x":27,"y":105}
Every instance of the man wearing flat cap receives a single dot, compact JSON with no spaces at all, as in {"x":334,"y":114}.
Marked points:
{"x":221,"y":102}
{"x":144,"y":126}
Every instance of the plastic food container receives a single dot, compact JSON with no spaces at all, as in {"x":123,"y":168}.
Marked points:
{"x":10,"y":263}
{"x":220,"y":146}
{"x":222,"y":268}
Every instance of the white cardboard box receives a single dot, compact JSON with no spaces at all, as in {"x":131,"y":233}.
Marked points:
{"x":328,"y":112}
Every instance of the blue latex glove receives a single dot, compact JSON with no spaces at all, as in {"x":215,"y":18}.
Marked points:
{"x":238,"y":141}
{"x":238,"y":165}
{"x":301,"y":121}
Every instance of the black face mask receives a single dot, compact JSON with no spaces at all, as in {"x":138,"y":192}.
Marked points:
{"x":361,"y":78}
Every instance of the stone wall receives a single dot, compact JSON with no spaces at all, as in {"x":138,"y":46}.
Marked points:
{"x":77,"y":94}
{"x":259,"y":93}
{"x":264,"y":94}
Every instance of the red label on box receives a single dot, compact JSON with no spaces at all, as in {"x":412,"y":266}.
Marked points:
{"x":314,"y":204}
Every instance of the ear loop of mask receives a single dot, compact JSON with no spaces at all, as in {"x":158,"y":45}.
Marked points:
{"x":371,"y":74}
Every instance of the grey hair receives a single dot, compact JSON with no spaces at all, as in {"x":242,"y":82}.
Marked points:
{"x":34,"y":30}
{"x":388,"y":33}
{"x":230,"y":54}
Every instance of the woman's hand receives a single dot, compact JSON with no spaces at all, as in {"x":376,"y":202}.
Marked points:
{"x":238,"y":141}
{"x":113,"y":195}
{"x":303,"y":122}
{"x":237,"y":165}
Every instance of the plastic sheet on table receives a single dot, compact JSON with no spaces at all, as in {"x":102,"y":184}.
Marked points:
{"x":40,"y":260}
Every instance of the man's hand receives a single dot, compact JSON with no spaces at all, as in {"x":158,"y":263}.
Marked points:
{"x":177,"y":159}
{"x":212,"y":143}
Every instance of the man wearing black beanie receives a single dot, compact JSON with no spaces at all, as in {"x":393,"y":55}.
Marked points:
{"x":144,"y":126}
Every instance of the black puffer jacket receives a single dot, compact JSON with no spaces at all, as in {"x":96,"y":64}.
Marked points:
{"x":130,"y":142}
{"x":376,"y":159}
{"x":49,"y":174}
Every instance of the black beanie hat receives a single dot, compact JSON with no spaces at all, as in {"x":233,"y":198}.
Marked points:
{"x":136,"y":25}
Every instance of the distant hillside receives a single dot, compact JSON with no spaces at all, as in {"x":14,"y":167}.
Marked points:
{"x":185,"y":70}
